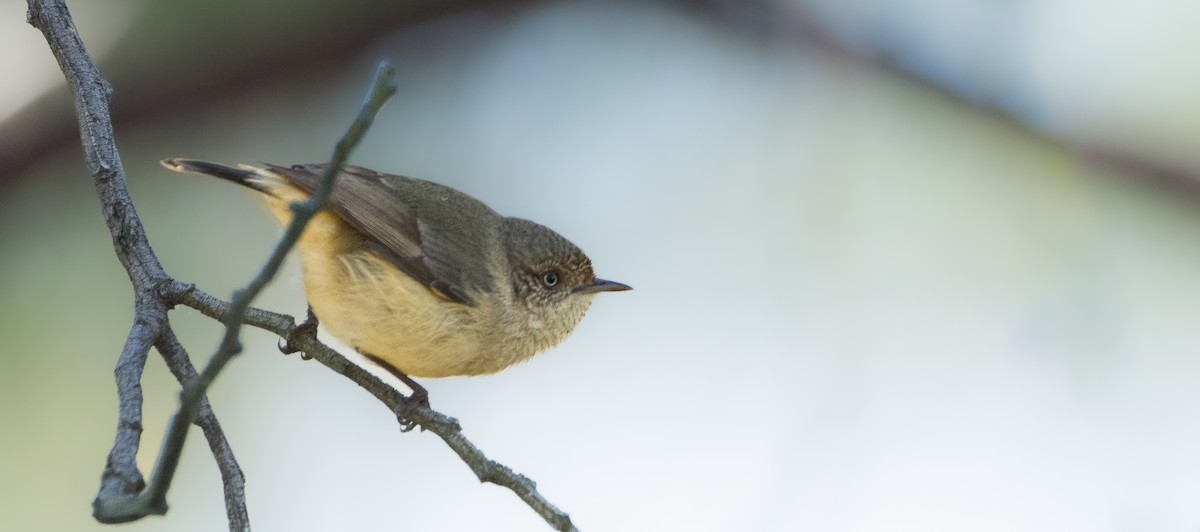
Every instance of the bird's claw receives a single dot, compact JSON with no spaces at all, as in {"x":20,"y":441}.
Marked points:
{"x":418,"y":399}
{"x":307,"y":328}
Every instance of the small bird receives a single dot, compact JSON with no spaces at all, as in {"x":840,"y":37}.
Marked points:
{"x":421,"y":278}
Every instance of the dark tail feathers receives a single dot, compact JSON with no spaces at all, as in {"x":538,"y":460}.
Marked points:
{"x":228,"y":173}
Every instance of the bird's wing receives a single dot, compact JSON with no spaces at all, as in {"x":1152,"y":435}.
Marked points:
{"x":387,"y":211}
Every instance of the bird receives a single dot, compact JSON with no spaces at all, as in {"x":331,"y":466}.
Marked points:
{"x":423,"y":279}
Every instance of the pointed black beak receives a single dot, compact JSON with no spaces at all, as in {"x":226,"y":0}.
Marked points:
{"x":600,"y":285}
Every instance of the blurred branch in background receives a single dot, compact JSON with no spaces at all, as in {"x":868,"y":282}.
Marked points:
{"x":994,"y":57}
{"x":1109,"y":83}
{"x":124,"y":496}
{"x":203,"y":51}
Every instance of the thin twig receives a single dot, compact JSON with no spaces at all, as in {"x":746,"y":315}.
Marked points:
{"x":232,"y":479}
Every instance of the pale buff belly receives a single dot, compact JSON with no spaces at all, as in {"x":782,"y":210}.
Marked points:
{"x":378,"y":310}
{"x":373,"y":307}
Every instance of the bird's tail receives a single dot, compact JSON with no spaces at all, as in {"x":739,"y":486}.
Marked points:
{"x":260,"y":179}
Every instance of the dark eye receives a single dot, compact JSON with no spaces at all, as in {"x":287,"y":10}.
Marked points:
{"x":550,"y":278}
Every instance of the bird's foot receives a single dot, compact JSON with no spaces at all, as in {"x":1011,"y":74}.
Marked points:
{"x":405,"y":407}
{"x":419,"y":398}
{"x":308,"y":327}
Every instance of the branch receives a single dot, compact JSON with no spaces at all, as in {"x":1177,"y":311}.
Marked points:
{"x":121,"y":478}
{"x":445,"y":427}
{"x":232,"y":479}
{"x":152,"y":499}
{"x":123,"y":495}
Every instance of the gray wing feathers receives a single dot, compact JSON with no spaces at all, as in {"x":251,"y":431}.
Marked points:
{"x":396,"y":214}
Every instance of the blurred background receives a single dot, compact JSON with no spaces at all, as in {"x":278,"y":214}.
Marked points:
{"x":905,"y":265}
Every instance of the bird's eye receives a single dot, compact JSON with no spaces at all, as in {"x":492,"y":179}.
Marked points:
{"x":550,"y":278}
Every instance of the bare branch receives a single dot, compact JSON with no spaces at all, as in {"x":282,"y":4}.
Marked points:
{"x":152,"y":499}
{"x":124,"y":495}
{"x":232,"y":479}
{"x":445,"y":427}
{"x":121,"y":478}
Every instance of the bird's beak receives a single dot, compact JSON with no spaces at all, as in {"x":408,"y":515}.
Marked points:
{"x":600,"y":285}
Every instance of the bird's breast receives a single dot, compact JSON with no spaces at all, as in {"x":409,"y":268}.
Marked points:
{"x":370,"y":305}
